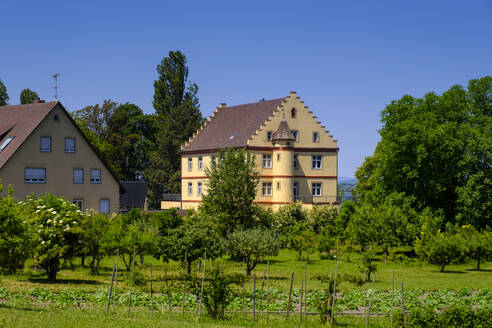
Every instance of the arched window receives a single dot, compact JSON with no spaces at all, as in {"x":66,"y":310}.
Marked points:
{"x":293,"y":113}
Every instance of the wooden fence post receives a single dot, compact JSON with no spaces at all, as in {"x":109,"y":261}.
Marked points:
{"x":116,"y":275}
{"x":334,"y":292}
{"x":201,"y":290}
{"x":290,"y":296}
{"x":151,"y":294}
{"x":131,"y":284}
{"x":268,"y":290}
{"x":370,"y":301}
{"x":402,"y":305}
{"x":254,"y":295}
{"x":300,"y":302}
{"x":393,"y":299}
{"x":110,"y":289}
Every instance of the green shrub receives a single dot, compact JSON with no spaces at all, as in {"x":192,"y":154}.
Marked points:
{"x":138,"y":278}
{"x":458,"y":316}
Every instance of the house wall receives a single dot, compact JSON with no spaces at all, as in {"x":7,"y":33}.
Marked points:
{"x":282,"y":170}
{"x":59,"y":166}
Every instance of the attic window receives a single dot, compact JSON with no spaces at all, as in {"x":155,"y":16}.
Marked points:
{"x":6,"y":142}
{"x":233,"y":136}
{"x":293,"y":113}
{"x":56,"y":118}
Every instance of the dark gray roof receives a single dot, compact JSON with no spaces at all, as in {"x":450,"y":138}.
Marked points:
{"x":135,"y":194}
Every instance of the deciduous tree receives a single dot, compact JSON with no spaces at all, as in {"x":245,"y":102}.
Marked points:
{"x":27,"y":96}
{"x":4,"y":97}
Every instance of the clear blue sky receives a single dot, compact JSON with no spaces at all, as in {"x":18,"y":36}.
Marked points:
{"x":345,"y":59}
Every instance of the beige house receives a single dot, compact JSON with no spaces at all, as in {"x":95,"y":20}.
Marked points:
{"x":296,"y":157}
{"x":42,"y":150}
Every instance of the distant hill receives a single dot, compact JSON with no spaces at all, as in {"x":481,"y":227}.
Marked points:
{"x":346,"y":184}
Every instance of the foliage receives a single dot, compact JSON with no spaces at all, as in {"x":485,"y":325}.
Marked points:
{"x":94,"y":227}
{"x":366,"y":264}
{"x":27,"y":96}
{"x":323,"y":216}
{"x":4,"y":97}
{"x":252,"y":246}
{"x":197,"y":238}
{"x":55,"y":230}
{"x":441,"y":248}
{"x":437,"y":149}
{"x":479,"y":244}
{"x":231,"y":190}
{"x":324,"y":302}
{"x":14,"y":239}
{"x":178,"y":117}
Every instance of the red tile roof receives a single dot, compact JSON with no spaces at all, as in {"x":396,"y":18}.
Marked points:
{"x":233,"y":126}
{"x":19,"y":121}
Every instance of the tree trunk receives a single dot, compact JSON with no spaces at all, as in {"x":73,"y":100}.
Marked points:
{"x":442,"y":267}
{"x":51,"y":275}
{"x":93,"y":267}
{"x":82,"y":260}
{"x":188,"y":267}
{"x":141,"y":259}
{"x":478,"y":263}
{"x":300,"y":255}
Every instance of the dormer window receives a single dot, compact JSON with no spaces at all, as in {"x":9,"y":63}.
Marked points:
{"x":269,"y":135}
{"x":56,"y":118}
{"x":5,"y":143}
{"x":293,"y":113}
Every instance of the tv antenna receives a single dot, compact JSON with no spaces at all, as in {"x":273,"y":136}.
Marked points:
{"x":55,"y":76}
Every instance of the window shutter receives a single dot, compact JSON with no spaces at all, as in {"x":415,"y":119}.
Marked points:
{"x":104,"y":206}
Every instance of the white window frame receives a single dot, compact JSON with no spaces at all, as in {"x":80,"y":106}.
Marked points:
{"x":78,"y":181}
{"x":267,"y":161}
{"x":199,"y":188}
{"x":79,"y":202}
{"x":316,"y":189}
{"x":190,"y":163}
{"x":317,"y":159}
{"x":70,"y":149}
{"x":200,"y":163}
{"x":45,"y":149}
{"x":296,"y":162}
{"x":34,"y":175}
{"x":190,"y":188}
{"x":316,"y":136}
{"x":94,"y":179}
{"x":267,"y":189}
{"x":101,"y":207}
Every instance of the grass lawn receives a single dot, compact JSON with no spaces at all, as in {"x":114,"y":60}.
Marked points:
{"x":413,"y":274}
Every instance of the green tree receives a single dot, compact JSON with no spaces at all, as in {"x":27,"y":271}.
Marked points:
{"x":55,"y":229}
{"x":94,"y":227}
{"x":14,"y":238}
{"x":436,"y":149}
{"x":366,"y":262}
{"x":27,"y":96}
{"x":96,"y":118}
{"x":4,"y":97}
{"x":231,"y":190}
{"x":479,"y":244}
{"x":178,"y":117}
{"x":252,"y":246}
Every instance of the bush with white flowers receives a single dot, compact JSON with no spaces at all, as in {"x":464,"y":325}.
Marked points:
{"x":55,"y":231}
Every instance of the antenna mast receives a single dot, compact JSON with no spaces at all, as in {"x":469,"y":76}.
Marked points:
{"x":55,"y":76}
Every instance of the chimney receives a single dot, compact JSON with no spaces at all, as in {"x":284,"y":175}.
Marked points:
{"x":38,"y":101}
{"x":222,"y":105}
{"x":293,"y":94}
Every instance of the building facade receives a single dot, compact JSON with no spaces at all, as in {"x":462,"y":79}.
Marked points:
{"x":296,"y":157}
{"x":42,"y":150}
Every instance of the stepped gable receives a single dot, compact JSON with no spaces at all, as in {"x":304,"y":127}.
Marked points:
{"x":232,"y":126}
{"x":19,"y":121}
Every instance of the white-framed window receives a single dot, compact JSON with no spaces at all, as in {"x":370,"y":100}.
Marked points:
{"x":104,"y":206}
{"x":199,"y":189}
{"x":267,"y":161}
{"x":95,"y":176}
{"x":190,"y":189}
{"x":34,"y":175}
{"x":6,"y":142}
{"x":317,"y":162}
{"x":69,"y":145}
{"x":190,"y":164}
{"x":79,"y":203}
{"x":269,"y":135}
{"x":267,"y":188}
{"x":78,"y":175}
{"x":315,"y":136}
{"x":316,"y":188}
{"x":45,"y":144}
{"x":296,"y":190}
{"x":295,"y":134}
{"x":200,"y":163}
{"x":296,"y":162}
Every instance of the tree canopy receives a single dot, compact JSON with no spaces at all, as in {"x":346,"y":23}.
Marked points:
{"x":27,"y":96}
{"x":4,"y":97}
{"x":438,"y":150}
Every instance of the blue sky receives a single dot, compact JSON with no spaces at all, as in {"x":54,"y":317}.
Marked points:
{"x":345,"y":59}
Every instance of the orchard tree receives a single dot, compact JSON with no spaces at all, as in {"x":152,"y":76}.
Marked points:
{"x":252,"y":246}
{"x":94,"y":227}
{"x":14,"y":238}
{"x":4,"y":97}
{"x":27,"y":96}
{"x":231,"y":190}
{"x":479,"y":244}
{"x":178,"y":117}
{"x":55,"y":230}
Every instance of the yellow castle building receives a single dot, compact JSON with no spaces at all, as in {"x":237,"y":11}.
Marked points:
{"x":296,"y":157}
